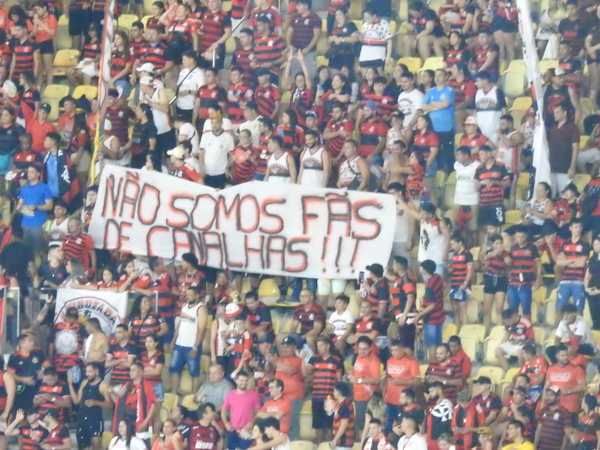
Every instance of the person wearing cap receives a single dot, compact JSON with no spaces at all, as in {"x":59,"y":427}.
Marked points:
{"x":188,"y":338}
{"x":493,"y":178}
{"x":553,"y":421}
{"x":432,"y":306}
{"x":375,"y":289}
{"x":525,"y":272}
{"x":438,"y":416}
{"x":238,"y":412}
{"x":401,"y":372}
{"x":472,"y":137}
{"x":215,"y":388}
{"x":38,"y":125}
{"x":179,"y":167}
{"x":487,"y":404}
{"x":563,"y":142}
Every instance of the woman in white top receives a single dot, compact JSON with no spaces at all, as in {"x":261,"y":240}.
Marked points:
{"x":126,"y":439}
{"x":191,"y":78}
{"x":275,"y":439}
{"x":539,"y":208}
{"x":466,"y":192}
{"x":281,"y":167}
{"x":315,"y":163}
{"x":374,"y":38}
{"x":112,"y":150}
{"x":489,"y":104}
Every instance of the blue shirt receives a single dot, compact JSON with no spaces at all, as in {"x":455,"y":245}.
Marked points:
{"x":441,"y":119}
{"x":35,"y":195}
{"x":52,"y":174}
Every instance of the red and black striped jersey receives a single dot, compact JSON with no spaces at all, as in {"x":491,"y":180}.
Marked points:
{"x":119,"y":374}
{"x":573,"y":250}
{"x":524,"y":264}
{"x":334,"y":145}
{"x":266,"y":98}
{"x":140,"y":328}
{"x":292,"y":137}
{"x":344,"y":410}
{"x":326,"y":372}
{"x":151,"y":362}
{"x":208,"y":94}
{"x":154,"y":54}
{"x":372,"y":131}
{"x":91,"y":50}
{"x":23,"y":55}
{"x":268,"y":50}
{"x":434,"y":295}
{"x":211,"y":27}
{"x":301,"y":101}
{"x":241,"y":58}
{"x":491,"y":194}
{"x":238,"y":7}
{"x":236,"y":95}
{"x":495,"y":265}
{"x":458,"y":267}
{"x":58,"y":391}
{"x":423,"y":142}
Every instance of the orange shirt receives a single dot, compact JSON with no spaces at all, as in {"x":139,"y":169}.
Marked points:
{"x":293,"y":383}
{"x":566,"y":377}
{"x":535,"y":369}
{"x":49,"y":22}
{"x":366,"y":367}
{"x":282,"y":407}
{"x":38,"y":132}
{"x":406,"y":369}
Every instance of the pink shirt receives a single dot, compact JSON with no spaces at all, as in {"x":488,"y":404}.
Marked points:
{"x":242,"y":407}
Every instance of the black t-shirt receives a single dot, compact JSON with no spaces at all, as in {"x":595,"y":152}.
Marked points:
{"x":54,"y":275}
{"x":26,"y":366}
{"x":593,"y":265}
{"x":15,"y":258}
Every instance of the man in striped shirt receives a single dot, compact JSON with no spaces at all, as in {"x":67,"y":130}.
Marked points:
{"x":572,"y":261}
{"x":326,"y":370}
{"x":432,"y":306}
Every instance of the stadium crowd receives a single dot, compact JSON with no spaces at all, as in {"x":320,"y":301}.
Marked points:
{"x":480,"y":333}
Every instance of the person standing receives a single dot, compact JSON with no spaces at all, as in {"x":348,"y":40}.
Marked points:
{"x":570,"y":379}
{"x":303,"y":35}
{"x":563,"y":144}
{"x":489,"y":105}
{"x":190,"y":80}
{"x":188,"y":338}
{"x":91,"y":396}
{"x":466,"y":192}
{"x":365,"y":378}
{"x":439,"y":104}
{"x":432,"y":306}
{"x":572,"y":261}
{"x":204,"y":434}
{"x":343,"y":416}
{"x":315,"y":162}
{"x":238,"y":412}
{"x":525,"y":272}
{"x":215,"y":146}
{"x":592,"y":282}
{"x":35,"y":201}
{"x":553,"y":421}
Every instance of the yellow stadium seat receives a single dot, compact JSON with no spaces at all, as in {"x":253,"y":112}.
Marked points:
{"x":587,"y":106}
{"x":230,"y":45}
{"x":63,"y":60}
{"x":583,"y":140}
{"x":412,"y":63}
{"x":546,"y":64}
{"x":145,"y":20}
{"x":477,"y":292}
{"x":475,"y":254}
{"x":169,"y":402}
{"x":268,"y":291}
{"x":497,"y":333}
{"x":126,"y":21}
{"x":489,"y":356}
{"x":581,"y":180}
{"x":53,"y":94}
{"x":457,"y":138}
{"x":88,"y":90}
{"x":473,"y":311}
{"x":62,"y":38}
{"x":513,"y":216}
{"x":540,"y":335}
{"x":392,"y":26}
{"x":514,"y":83}
{"x":227,"y":6}
{"x":473,"y":331}
{"x":306,"y":429}
{"x":510,"y":374}
{"x":517,"y":66}
{"x":434,"y":63}
{"x":496,"y":374}
{"x":521,"y":104}
{"x":551,"y":309}
{"x":106,"y":438}
{"x":539,"y":296}
{"x":358,"y":23}
{"x":596,"y":337}
{"x":449,"y":329}
{"x":356,"y":9}
{"x":185,"y":383}
{"x":423,"y":369}
{"x":302,"y":445}
{"x":148,"y":6}
{"x":472,"y":347}
{"x":451,"y":181}
{"x":322,"y":61}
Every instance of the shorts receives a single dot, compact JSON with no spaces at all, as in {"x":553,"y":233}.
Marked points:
{"x":181,"y":357}
{"x":459,"y":295}
{"x":320,"y":419}
{"x":89,"y":428}
{"x":491,"y":215}
{"x":168,"y":337}
{"x":501,"y":24}
{"x":184,"y":115}
{"x":492,"y":284}
{"x":511,"y":349}
{"x":159,"y":391}
{"x":432,"y":335}
{"x":46,"y":47}
{"x":79,"y":22}
{"x":327,"y":287}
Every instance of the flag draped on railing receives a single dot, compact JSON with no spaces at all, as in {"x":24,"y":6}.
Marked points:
{"x":541,"y":156}
{"x":108,"y":33}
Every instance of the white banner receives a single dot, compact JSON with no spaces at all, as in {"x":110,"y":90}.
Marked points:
{"x":257,"y":227}
{"x":110,"y":308}
{"x":541,"y":154}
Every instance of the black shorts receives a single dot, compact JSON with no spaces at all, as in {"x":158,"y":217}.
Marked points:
{"x":89,"y":428}
{"x":501,"y":24}
{"x":320,"y":419}
{"x":79,"y":22}
{"x":493,"y":284}
{"x":46,"y":48}
{"x":491,"y":215}
{"x":184,"y":115}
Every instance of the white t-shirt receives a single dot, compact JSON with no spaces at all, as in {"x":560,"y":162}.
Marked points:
{"x":578,"y":328}
{"x":433,"y":244}
{"x":341,"y":322}
{"x":466,"y":192}
{"x":161,"y":118}
{"x":402,"y":233}
{"x":375,"y":33}
{"x":254,"y":127}
{"x":409,"y":103}
{"x":225,"y":124}
{"x":415,"y":442}
{"x":192,"y":82}
{"x":118,"y":443}
{"x":216,"y":149}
